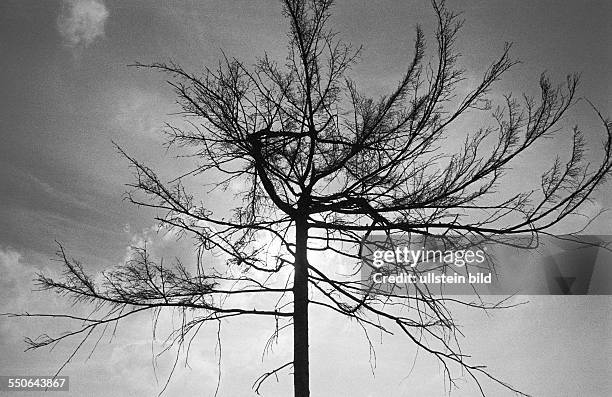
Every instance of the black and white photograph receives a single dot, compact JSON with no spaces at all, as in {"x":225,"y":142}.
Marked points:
{"x":306,"y":198}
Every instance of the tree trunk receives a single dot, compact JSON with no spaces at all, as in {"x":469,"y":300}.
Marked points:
{"x":300,"y":313}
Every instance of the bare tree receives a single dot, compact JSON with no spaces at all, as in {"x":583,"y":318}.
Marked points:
{"x":323,"y":165}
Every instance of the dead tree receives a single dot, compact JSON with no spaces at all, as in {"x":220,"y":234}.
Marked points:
{"x":323,"y":165}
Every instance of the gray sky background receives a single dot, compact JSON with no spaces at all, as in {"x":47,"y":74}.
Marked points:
{"x":66,"y":93}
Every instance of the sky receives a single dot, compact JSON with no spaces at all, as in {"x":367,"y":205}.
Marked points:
{"x":67,"y":93}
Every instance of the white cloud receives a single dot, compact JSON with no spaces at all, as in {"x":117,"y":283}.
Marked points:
{"x":137,"y":111}
{"x":15,"y":281}
{"x":82,"y":21}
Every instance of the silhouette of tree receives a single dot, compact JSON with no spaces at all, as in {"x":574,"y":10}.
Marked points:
{"x":323,"y":165}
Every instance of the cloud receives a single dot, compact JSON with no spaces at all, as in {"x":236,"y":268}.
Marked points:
{"x":18,"y":295}
{"x":137,"y":111}
{"x":82,"y":21}
{"x":15,"y":280}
